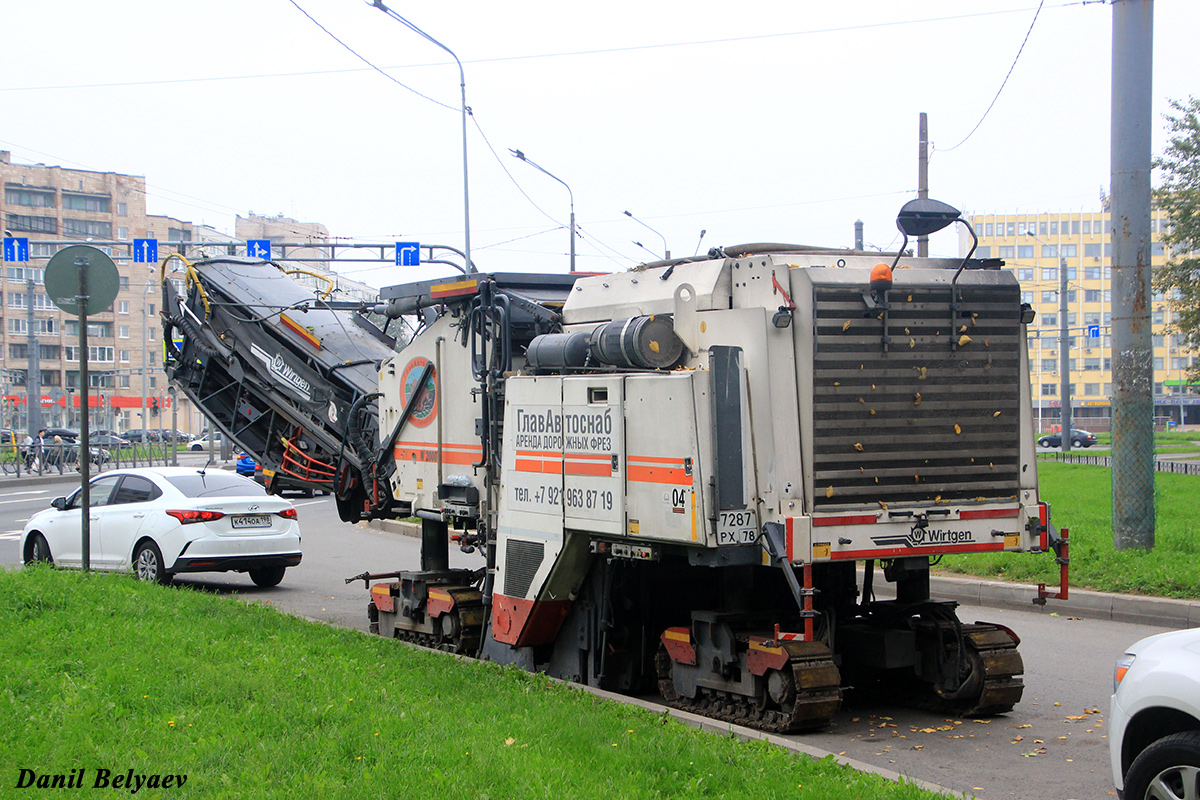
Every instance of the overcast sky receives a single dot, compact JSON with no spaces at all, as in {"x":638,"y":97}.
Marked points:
{"x":754,"y":121}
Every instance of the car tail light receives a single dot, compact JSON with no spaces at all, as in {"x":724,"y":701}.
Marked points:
{"x":288,"y":513}
{"x":188,"y":516}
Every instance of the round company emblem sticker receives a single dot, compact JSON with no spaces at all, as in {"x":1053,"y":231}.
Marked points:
{"x":426,"y":408}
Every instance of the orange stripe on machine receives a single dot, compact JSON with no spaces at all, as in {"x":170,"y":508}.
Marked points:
{"x":651,"y":469}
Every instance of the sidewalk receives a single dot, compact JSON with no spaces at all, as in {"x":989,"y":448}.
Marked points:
{"x":1157,"y":611}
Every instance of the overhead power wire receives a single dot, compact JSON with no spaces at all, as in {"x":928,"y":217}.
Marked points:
{"x":1003,"y":83}
{"x":563,"y":54}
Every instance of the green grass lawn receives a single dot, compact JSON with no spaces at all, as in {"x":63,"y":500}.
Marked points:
{"x":101,"y":671}
{"x":1081,"y":499}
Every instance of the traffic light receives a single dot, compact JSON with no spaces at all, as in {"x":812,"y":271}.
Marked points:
{"x":154,"y":406}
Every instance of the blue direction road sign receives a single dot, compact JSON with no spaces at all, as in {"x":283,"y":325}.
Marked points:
{"x":408,"y":254}
{"x":16,"y":249}
{"x":259,"y":248}
{"x":1093,"y":331}
{"x":145,"y":251}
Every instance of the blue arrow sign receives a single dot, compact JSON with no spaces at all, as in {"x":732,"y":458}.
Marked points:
{"x":145,"y":251}
{"x":408,"y":254}
{"x":1093,"y":331}
{"x":16,"y":249}
{"x":259,"y":248}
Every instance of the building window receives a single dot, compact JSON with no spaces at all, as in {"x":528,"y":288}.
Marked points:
{"x":100,"y":353}
{"x":1179,"y":362}
{"x":1069,"y":250}
{"x":1049,"y":320}
{"x":1091,"y":250}
{"x":1042,"y":227}
{"x":150,"y":310}
{"x":14,"y":196}
{"x":1087,"y":226}
{"x":1158,"y":249}
{"x":179,"y":235}
{"x":79,"y":202}
{"x":1049,"y":365}
{"x":124,"y":282}
{"x":87,"y":227}
{"x":1011,"y":227}
{"x":1049,"y":251}
{"x":1006,"y":251}
{"x":123,"y":332}
{"x":1091,"y":273}
{"x":103,"y":329}
{"x":1054,"y":228}
{"x":1027,"y":297}
{"x":1157,"y":316}
{"x":1092,"y":365}
{"x":988,"y":229}
{"x":153,"y":382}
{"x":1021,"y":228}
{"x":1070,"y":322}
{"x":1091,"y":295}
{"x":122,"y":209}
{"x":124,"y":381}
{"x":122,"y":233}
{"x":25,"y":222}
{"x":1091,"y":318}
{"x":1049,"y":273}
{"x":1071,"y":296}
{"x":1024,"y":251}
{"x":18,"y":352}
{"x":1025,"y":274}
{"x":1049,"y":389}
{"x":1074,"y":227}
{"x":1158,"y":362}
{"x":124,"y":356}
{"x":1091,"y":389}
{"x":122,"y":306}
{"x":1049,"y":296}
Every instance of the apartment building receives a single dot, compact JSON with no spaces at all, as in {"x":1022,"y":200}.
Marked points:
{"x":1036,"y":246}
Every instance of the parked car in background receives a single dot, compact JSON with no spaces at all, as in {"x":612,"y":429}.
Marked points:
{"x":135,"y":435}
{"x":106,"y":440}
{"x":1154,"y":718}
{"x":203,"y":442}
{"x":1079,"y":438}
{"x":66,"y":434}
{"x":245,"y":465}
{"x":160,"y":521}
{"x":169,"y":435}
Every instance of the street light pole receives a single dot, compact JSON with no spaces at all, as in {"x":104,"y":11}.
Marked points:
{"x":570,"y":194}
{"x":666,"y":251}
{"x":462,"y":82}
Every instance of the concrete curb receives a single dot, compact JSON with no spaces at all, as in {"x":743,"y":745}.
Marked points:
{"x":1158,"y":611}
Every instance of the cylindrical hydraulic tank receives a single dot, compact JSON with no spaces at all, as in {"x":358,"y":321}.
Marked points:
{"x":558,"y":350}
{"x":638,"y":343}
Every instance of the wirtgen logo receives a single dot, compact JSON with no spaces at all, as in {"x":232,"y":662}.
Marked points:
{"x":925,"y":537}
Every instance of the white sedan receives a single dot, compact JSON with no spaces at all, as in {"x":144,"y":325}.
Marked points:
{"x":1154,"y":736}
{"x":160,"y":521}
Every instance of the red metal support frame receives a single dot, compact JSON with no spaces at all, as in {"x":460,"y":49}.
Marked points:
{"x":1062,"y":550}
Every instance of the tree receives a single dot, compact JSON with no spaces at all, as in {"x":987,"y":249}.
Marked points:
{"x":1179,"y":196}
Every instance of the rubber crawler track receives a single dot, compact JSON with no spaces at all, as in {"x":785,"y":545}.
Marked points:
{"x":816,"y":698}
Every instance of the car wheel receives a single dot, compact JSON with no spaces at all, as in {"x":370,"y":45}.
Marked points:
{"x":267,"y":576}
{"x":148,"y":563}
{"x":1169,"y":768}
{"x":1043,"y":442}
{"x":38,"y":549}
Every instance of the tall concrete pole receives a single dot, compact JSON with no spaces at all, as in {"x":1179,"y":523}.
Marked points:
{"x":1133,"y":352}
{"x":923,"y":177}
{"x":33,"y":378}
{"x":1064,"y":357}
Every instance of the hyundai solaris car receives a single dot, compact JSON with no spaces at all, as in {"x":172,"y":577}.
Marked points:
{"x":1154,"y":738}
{"x":161,"y":521}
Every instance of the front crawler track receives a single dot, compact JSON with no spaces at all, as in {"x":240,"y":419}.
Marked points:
{"x":807,"y":687}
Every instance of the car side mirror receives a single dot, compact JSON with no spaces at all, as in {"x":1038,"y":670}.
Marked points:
{"x":59,"y":502}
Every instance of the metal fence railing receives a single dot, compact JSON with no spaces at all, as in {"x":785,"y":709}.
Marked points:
{"x":62,"y":458}
{"x":1160,"y":464}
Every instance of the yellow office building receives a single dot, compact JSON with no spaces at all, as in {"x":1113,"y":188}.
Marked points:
{"x":1036,"y":246}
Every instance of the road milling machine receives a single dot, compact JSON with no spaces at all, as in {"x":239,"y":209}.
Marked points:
{"x":723,"y":476}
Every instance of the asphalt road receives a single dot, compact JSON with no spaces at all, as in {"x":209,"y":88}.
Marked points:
{"x":1049,"y":748}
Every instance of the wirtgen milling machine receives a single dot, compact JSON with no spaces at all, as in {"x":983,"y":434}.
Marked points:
{"x":686,"y":475}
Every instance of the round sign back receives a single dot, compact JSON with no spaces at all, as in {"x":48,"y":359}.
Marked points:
{"x":65,"y":273}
